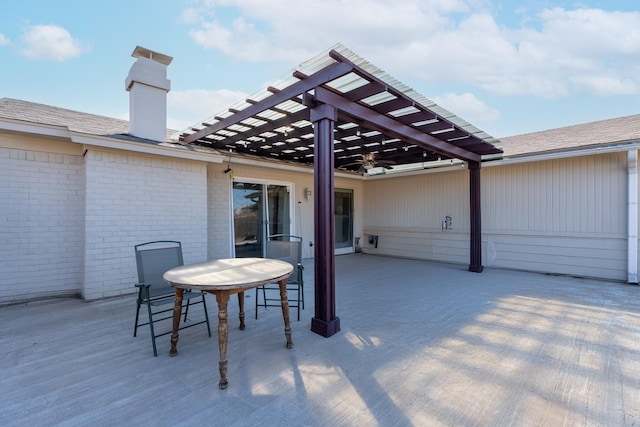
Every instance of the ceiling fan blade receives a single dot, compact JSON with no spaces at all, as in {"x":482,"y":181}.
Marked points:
{"x":351,"y":164}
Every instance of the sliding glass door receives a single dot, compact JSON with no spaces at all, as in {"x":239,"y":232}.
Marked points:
{"x":343,"y":206}
{"x":259,"y":210}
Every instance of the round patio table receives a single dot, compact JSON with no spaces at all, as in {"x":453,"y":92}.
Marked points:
{"x":224,"y":277}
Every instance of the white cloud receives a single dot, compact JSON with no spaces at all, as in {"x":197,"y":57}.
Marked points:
{"x":605,"y":85}
{"x":468,"y":107}
{"x":4,"y":41}
{"x":550,"y":54}
{"x":292,"y":31}
{"x":184,"y":105}
{"x":51,"y":43}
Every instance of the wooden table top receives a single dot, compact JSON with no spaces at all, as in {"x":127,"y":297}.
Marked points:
{"x":228,"y":274}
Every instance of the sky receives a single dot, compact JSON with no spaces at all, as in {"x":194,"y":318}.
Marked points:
{"x":508,"y":67}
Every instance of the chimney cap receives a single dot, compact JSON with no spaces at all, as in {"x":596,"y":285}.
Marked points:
{"x":141,"y":52}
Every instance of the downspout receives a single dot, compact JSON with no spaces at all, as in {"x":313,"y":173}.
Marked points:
{"x":632,"y":216}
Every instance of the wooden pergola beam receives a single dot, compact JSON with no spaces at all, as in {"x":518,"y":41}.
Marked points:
{"x":392,"y":127}
{"x":329,"y":73}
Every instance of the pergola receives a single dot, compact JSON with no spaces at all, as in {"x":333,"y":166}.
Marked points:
{"x":337,"y":111}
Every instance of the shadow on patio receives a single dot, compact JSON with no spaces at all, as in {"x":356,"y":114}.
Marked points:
{"x":421,"y":344}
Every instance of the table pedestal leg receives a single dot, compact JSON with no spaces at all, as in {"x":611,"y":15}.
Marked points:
{"x":177,"y":312}
{"x":222,"y":297}
{"x":284,"y":302}
{"x":241,"y":306}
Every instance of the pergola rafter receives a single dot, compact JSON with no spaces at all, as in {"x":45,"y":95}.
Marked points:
{"x":336,"y":112}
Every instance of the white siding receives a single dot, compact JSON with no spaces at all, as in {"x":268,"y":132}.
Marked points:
{"x":406,"y":214}
{"x":564,"y":216}
{"x":133,"y":199}
{"x":41,"y":215}
{"x":585,"y":195}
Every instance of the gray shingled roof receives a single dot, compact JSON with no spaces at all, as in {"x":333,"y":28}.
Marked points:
{"x":603,"y":132}
{"x":74,"y":120}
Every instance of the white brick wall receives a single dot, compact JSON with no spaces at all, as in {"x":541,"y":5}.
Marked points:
{"x":41,"y":221}
{"x":219,"y":230}
{"x":133,"y":199}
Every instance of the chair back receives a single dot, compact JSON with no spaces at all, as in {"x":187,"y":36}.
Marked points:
{"x":286,"y":248}
{"x":153,"y":260}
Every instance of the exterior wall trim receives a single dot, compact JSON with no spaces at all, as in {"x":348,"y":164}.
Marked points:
{"x":632,"y":216}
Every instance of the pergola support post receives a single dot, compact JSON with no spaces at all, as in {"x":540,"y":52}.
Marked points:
{"x":325,"y":322}
{"x":475,"y":256}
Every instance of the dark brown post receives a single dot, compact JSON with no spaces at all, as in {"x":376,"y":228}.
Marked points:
{"x":324,"y":322}
{"x":475,"y":262}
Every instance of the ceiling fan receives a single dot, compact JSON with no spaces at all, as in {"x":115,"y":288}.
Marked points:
{"x":369,"y":161}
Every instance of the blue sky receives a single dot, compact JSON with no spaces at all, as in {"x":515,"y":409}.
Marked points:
{"x":508,"y":67}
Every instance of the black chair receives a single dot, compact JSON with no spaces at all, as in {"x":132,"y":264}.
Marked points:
{"x":286,"y":248}
{"x":153,"y":260}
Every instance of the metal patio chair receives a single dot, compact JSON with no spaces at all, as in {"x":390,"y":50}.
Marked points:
{"x":286,"y":248}
{"x":153,"y":260}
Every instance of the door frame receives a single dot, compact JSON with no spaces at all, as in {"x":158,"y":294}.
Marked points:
{"x":262,"y":182}
{"x":351,"y":248}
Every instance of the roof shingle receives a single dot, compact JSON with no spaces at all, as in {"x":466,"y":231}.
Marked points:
{"x":73,"y":120}
{"x":602,"y":132}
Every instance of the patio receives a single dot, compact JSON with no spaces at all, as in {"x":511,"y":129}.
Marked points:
{"x":420,"y":344}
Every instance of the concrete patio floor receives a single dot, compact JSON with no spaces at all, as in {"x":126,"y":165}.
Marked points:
{"x":422,"y":344}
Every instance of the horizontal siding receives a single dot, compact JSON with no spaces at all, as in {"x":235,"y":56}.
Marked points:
{"x":419,"y":244}
{"x":571,"y":255}
{"x":584,"y":256}
{"x":565,"y":216}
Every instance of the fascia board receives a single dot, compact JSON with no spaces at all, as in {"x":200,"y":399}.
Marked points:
{"x":35,"y":129}
{"x":62,"y":132}
{"x":162,"y":149}
{"x":601,"y":149}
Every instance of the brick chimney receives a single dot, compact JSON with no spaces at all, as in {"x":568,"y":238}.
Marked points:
{"x":148,"y":86}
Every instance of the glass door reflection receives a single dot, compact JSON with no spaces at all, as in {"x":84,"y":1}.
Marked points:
{"x":259,"y":211}
{"x":248,"y":219}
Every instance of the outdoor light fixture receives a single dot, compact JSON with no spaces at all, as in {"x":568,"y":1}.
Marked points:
{"x":358,"y":132}
{"x":307,"y":193}
{"x":228,"y":170}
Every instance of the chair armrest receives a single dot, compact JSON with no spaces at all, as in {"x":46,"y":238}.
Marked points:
{"x":300,"y":266}
{"x":143,"y":285}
